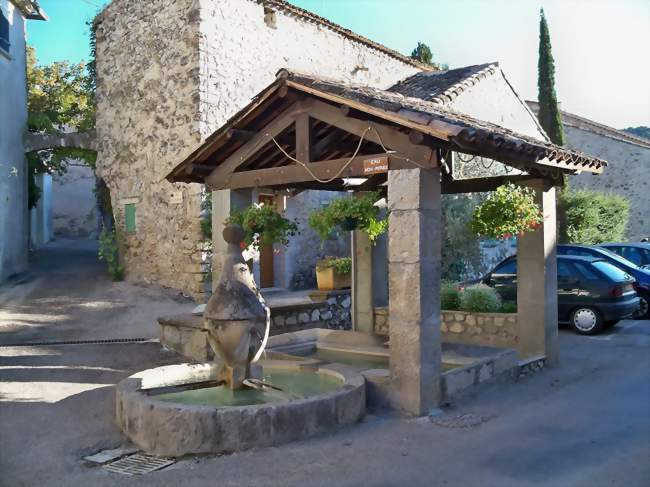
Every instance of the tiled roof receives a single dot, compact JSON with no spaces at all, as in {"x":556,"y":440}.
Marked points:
{"x":442,"y":87}
{"x":576,"y":121}
{"x":437,"y":120}
{"x":310,"y":17}
{"x":30,"y":9}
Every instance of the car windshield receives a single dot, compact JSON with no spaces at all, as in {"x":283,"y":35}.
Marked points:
{"x":621,"y":260}
{"x":613,"y":272}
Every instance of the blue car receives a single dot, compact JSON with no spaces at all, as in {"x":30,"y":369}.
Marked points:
{"x":641,"y":275}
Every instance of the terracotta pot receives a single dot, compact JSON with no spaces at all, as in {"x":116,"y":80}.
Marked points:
{"x":329,"y":280}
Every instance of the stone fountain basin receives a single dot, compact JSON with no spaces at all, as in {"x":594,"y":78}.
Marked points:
{"x":175,"y":429}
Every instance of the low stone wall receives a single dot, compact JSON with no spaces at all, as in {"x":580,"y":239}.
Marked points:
{"x":327,"y":310}
{"x":487,"y":329}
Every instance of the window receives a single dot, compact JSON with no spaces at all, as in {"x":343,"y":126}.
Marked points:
{"x":613,"y":273}
{"x":587,"y":271}
{"x":507,"y":268}
{"x":564,"y":270}
{"x":4,"y":26}
{"x":129,"y":217}
{"x":632,"y":254}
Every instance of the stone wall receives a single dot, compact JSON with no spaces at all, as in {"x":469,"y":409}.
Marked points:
{"x":627,"y":173}
{"x":333,"y":313}
{"x":13,"y":167}
{"x":170,"y":72}
{"x":486,"y":329}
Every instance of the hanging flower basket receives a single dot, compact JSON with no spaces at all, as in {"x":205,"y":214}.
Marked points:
{"x":263,"y":225}
{"x":349,"y":214}
{"x":509,"y":211}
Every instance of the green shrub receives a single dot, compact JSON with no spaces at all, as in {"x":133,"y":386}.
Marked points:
{"x":508,"y":307}
{"x":342,"y":265}
{"x":449,"y":296}
{"x":263,"y":225}
{"x":109,"y":252}
{"x":480,"y":299}
{"x":590,"y":217}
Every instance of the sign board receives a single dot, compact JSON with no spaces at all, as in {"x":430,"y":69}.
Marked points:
{"x":175,"y":197}
{"x":375,"y":165}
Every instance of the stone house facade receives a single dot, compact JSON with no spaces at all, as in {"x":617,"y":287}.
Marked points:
{"x":628,"y":170}
{"x":168,"y":74}
{"x":14,"y":219}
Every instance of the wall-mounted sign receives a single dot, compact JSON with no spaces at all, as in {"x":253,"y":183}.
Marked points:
{"x":375,"y":165}
{"x":175,"y":197}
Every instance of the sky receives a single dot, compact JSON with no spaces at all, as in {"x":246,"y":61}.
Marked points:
{"x":600,"y":46}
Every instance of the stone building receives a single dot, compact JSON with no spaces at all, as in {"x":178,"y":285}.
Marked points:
{"x":14,"y":220}
{"x":628,"y":171}
{"x":170,"y":73}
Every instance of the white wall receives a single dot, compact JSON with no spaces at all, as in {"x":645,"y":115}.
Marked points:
{"x":13,"y":176}
{"x":74,"y":207}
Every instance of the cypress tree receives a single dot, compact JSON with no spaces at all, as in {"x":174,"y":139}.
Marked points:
{"x":549,"y":114}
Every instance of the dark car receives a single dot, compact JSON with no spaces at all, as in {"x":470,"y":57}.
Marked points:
{"x":591,"y":293}
{"x":636,"y":252}
{"x":642,"y":276}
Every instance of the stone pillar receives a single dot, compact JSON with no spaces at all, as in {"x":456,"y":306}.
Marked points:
{"x":537,"y":282}
{"x":362,"y":302}
{"x":414,"y":233}
{"x":223,"y":201}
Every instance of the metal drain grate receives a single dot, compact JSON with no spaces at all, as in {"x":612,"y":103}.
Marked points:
{"x":79,"y":342}
{"x":138,"y":464}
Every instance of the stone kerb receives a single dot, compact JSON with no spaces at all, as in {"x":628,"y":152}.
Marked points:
{"x":486,"y":329}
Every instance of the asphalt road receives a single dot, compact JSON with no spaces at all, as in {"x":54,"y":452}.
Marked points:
{"x":583,"y":423}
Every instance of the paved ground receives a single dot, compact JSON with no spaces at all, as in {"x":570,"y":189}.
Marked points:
{"x":585,"y":423}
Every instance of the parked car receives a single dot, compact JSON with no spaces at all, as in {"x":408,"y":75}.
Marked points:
{"x":642,"y":276}
{"x":636,"y":252}
{"x":591,"y":293}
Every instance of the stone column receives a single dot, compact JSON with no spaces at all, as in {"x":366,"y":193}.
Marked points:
{"x":223,"y":202}
{"x":537,"y":282}
{"x":414,"y":289}
{"x":362,"y":312}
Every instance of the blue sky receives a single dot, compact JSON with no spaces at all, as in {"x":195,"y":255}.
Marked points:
{"x":600,"y":46}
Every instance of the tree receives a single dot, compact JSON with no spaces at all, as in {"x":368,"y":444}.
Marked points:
{"x":59,"y":95}
{"x":641,"y":131}
{"x":423,"y":54}
{"x":591,"y":217}
{"x":461,"y":250}
{"x":549,"y":113}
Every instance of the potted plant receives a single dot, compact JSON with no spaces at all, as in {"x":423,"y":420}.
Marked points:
{"x":333,"y":273}
{"x":263,"y":225}
{"x":349,"y":213}
{"x":510,"y":210}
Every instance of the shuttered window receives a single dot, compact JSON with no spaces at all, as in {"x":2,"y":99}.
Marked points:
{"x":129,"y":217}
{"x":4,"y":29}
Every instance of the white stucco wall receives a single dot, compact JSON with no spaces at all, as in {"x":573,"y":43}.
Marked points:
{"x":74,"y":208}
{"x":13,"y":176}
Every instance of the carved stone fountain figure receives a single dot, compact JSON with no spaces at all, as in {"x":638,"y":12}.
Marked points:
{"x":235,"y":317}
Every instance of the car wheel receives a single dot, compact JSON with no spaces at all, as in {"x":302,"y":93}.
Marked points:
{"x":644,"y":307}
{"x":586,"y":321}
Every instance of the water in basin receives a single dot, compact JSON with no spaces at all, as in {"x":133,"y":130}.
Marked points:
{"x":294,"y":385}
{"x":353,"y":358}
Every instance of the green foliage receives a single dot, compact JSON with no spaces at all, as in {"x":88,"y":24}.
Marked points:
{"x":640,"y":131}
{"x":461,"y":251}
{"x":592,"y":217}
{"x":350,"y":213}
{"x":449,"y":296}
{"x":423,"y":54}
{"x":510,"y":210}
{"x":59,"y":95}
{"x":109,"y":252}
{"x":549,"y":113}
{"x":342,"y":265}
{"x":508,"y":307}
{"x":263,"y":225}
{"x":480,"y":299}
{"x":206,"y":216}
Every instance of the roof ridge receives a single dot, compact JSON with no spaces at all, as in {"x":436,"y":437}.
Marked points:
{"x":613,"y":132}
{"x":339,"y":29}
{"x":455,"y":90}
